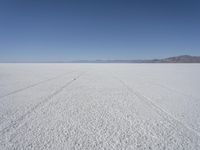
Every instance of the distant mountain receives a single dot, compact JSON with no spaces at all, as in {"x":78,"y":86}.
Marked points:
{"x":176,"y":59}
{"x":182,"y":59}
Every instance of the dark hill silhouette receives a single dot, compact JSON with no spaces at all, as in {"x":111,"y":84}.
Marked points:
{"x":182,"y":59}
{"x":176,"y":59}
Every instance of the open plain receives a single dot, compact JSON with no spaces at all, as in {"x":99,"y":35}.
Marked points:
{"x":100,"y":106}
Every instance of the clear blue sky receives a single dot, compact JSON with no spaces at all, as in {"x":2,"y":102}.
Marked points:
{"x":56,"y":30}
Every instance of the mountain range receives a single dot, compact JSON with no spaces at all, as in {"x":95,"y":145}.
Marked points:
{"x":175,"y":59}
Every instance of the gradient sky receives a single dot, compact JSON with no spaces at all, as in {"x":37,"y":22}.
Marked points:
{"x":57,"y":30}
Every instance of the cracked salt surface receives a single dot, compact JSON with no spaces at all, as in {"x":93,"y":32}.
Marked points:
{"x":99,"y":106}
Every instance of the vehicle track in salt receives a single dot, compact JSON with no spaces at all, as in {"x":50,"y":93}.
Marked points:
{"x":32,"y":85}
{"x":17,"y":122}
{"x":170,"y":121}
{"x":175,"y":91}
{"x":105,"y":126}
{"x":168,"y":88}
{"x":163,"y":113}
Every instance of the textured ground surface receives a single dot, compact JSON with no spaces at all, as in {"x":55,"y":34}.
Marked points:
{"x":100,"y":106}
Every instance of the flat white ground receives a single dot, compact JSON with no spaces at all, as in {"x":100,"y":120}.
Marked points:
{"x":100,"y":106}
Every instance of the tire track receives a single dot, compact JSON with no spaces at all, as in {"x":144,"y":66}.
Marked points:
{"x":176,"y":91}
{"x":31,"y":86}
{"x":159,"y":110}
{"x":163,"y":86}
{"x":16,"y":123}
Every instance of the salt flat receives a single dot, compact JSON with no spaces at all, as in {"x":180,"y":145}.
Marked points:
{"x":100,"y":106}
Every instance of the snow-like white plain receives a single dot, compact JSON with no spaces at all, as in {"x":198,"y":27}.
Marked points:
{"x":100,"y":106}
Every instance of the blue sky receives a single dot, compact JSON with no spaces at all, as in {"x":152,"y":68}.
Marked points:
{"x":57,"y":30}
